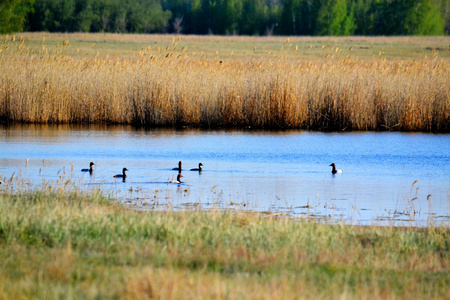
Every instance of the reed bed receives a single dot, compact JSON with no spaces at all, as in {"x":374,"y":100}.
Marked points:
{"x":171,"y":86}
{"x":61,"y":242}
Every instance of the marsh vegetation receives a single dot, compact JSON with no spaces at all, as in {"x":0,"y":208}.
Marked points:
{"x":61,"y":242}
{"x":284,"y":83}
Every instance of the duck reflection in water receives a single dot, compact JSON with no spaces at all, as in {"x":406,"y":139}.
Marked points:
{"x":178,"y":179}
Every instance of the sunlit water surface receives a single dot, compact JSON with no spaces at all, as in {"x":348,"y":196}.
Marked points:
{"x":396,"y":179}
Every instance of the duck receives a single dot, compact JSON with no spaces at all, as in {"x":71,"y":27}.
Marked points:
{"x":199,"y":168}
{"x":91,"y":168}
{"x":123,"y":175}
{"x":334,"y":170}
{"x":178,"y":179}
{"x":179,"y":167}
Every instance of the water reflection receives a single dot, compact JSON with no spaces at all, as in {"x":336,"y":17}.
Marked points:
{"x":388,"y":178}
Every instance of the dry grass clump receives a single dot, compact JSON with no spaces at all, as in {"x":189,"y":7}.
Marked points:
{"x":169,"y":86}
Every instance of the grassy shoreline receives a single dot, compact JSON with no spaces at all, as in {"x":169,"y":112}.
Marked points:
{"x":332,"y":84}
{"x":72,"y":244}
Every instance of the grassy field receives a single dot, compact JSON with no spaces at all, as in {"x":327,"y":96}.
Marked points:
{"x":128,"y":46}
{"x":320,"y":83}
{"x":67,"y":244}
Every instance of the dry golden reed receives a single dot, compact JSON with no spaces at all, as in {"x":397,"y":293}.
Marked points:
{"x":167,"y":86}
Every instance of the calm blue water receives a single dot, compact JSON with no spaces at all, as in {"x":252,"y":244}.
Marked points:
{"x":273,"y":172}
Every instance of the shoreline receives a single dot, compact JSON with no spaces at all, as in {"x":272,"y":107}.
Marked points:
{"x":87,"y":246}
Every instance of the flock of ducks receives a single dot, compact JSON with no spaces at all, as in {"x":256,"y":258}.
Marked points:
{"x":179,"y":169}
{"x":124,"y":171}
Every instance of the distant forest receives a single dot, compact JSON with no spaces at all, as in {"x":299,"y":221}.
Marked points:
{"x":229,"y":17}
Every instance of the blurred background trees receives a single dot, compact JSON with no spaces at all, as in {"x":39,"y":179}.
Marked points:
{"x":14,"y":14}
{"x":243,"y":17}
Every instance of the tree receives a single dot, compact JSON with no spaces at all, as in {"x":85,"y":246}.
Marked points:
{"x":247,"y":17}
{"x":390,"y":17}
{"x":425,"y":18}
{"x":290,"y":17}
{"x":250,"y":21}
{"x":84,"y":15}
{"x":13,"y":14}
{"x":363,"y":17}
{"x":336,"y":18}
{"x":342,"y":22}
{"x":182,"y":15}
{"x":232,"y":14}
{"x":259,"y":17}
{"x":103,"y":9}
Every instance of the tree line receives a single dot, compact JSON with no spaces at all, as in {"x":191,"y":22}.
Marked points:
{"x":240,"y":17}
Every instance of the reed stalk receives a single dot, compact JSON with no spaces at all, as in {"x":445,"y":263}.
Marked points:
{"x":170,"y":86}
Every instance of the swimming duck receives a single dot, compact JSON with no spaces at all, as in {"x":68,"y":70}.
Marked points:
{"x":178,"y":179}
{"x":91,"y":168}
{"x":334,"y":171}
{"x":179,"y":167}
{"x":199,"y":168}
{"x":123,"y":175}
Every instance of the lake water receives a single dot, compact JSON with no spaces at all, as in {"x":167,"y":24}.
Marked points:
{"x":400,"y":179}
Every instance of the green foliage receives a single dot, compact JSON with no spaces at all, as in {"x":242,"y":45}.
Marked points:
{"x":336,"y":18}
{"x":400,"y":17}
{"x":290,"y":16}
{"x":425,"y":18}
{"x":364,"y":17}
{"x":248,"y":17}
{"x":13,"y":14}
{"x":137,"y":16}
{"x":146,"y":16}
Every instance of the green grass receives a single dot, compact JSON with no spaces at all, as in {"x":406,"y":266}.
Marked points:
{"x":242,"y":47}
{"x":73,"y":245}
